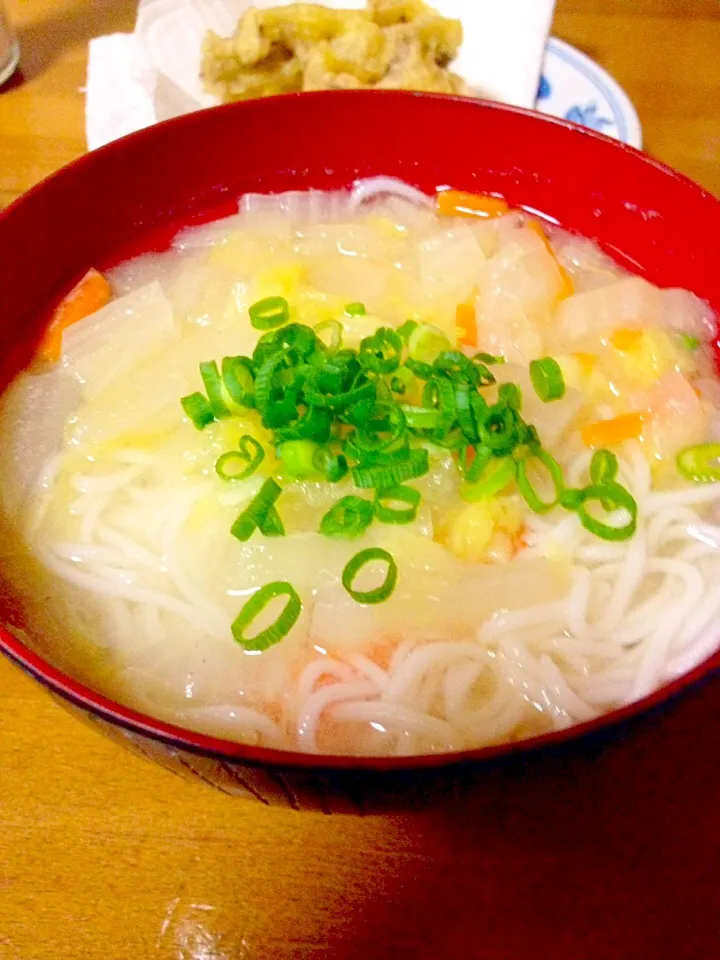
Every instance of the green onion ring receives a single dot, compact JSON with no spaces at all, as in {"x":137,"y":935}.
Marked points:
{"x":547,"y":379}
{"x":379,"y":594}
{"x":254,"y":607}
{"x":198,"y":410}
{"x":238,"y":374}
{"x":510,"y":394}
{"x":256,"y":511}
{"x":348,"y":518}
{"x":610,"y":496}
{"x":269,"y":313}
{"x":528,"y":491}
{"x":416,"y":465}
{"x":252,"y":460}
{"x":398,"y":494}
{"x":213,"y":385}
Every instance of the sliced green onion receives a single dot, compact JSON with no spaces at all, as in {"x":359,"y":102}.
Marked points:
{"x":485,"y":378}
{"x":379,"y":594}
{"x":416,"y":465}
{"x":213,"y":384}
{"x":333,"y":466}
{"x":497,"y":473}
{"x":402,"y":381}
{"x":426,"y":343}
{"x":238,"y":375}
{"x":511,"y":395}
{"x":526,"y":488}
{"x":547,"y":379}
{"x":381,"y":433}
{"x":610,"y":496}
{"x":465,"y":414}
{"x":500,"y":429}
{"x":271,"y":524}
{"x":420,"y":418}
{"x":298,"y":338}
{"x":314,"y":424}
{"x":439,"y":393}
{"x":472,"y":469}
{"x":570,"y":499}
{"x":255,"y":606}
{"x":689,"y":342}
{"x":198,"y":410}
{"x":700,"y":464}
{"x":604,"y":467}
{"x":282,"y":411}
{"x":334,"y":329}
{"x":298,"y":457}
{"x":269,"y":313}
{"x":256,"y":511}
{"x":265,"y":376}
{"x":348,"y":518}
{"x":355,"y":310}
{"x":454,"y":364}
{"x":250,"y":455}
{"x":385,"y":499}
{"x":405,"y":329}
{"x":381,"y":353}
{"x":421,"y":370}
{"x":366,"y":390}
{"x":488,"y":358}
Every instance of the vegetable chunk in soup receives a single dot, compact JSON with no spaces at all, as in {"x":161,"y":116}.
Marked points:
{"x":369,"y":473}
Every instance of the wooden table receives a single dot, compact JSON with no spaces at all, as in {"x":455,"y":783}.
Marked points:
{"x":105,"y":857}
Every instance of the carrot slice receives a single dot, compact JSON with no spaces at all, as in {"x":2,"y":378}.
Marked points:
{"x":88,"y":295}
{"x":456,"y":203}
{"x":626,"y":339}
{"x":606,"y":433}
{"x":465,"y":325}
{"x":568,"y":287}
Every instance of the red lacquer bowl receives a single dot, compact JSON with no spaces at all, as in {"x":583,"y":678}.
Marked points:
{"x":134,"y":194}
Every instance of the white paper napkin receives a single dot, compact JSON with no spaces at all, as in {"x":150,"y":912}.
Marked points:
{"x":136,"y":79}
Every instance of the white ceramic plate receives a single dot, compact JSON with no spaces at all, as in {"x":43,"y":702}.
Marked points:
{"x":574,"y":87}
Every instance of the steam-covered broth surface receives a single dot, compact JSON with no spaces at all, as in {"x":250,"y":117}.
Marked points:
{"x":556,"y":542}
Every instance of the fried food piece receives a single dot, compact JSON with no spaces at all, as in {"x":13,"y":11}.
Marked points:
{"x":392,"y":44}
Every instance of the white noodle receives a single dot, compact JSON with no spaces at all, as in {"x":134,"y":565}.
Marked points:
{"x":374,"y":187}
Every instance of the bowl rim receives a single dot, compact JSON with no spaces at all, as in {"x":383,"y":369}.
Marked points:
{"x":139,"y":723}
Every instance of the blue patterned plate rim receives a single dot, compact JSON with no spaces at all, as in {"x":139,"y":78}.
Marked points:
{"x":596,"y":101}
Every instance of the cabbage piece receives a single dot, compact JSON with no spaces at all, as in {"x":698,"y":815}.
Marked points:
{"x":103,"y":348}
{"x":450,"y":262}
{"x":633,"y":302}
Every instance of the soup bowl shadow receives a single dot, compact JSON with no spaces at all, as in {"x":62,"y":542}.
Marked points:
{"x":133,"y":195}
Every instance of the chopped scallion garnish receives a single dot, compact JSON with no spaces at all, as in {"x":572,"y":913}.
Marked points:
{"x":198,"y":410}
{"x":353,"y":568}
{"x":547,"y":379}
{"x":241,"y":463}
{"x":256,"y":511}
{"x":269,"y":313}
{"x":387,"y":500}
{"x":254,"y":607}
{"x":348,"y":518}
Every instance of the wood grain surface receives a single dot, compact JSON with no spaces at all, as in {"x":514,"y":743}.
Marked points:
{"x":106,"y":857}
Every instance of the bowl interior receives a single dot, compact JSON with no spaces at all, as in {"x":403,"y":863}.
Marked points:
{"x":133,"y":195}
